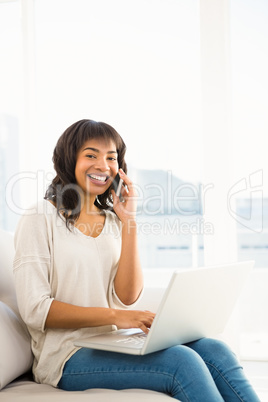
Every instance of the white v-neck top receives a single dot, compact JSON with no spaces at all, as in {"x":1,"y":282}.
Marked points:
{"x":53,"y":263}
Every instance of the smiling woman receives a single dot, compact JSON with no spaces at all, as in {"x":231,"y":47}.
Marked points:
{"x":152,"y":92}
{"x":94,"y":172}
{"x":85,"y":170}
{"x":71,"y":284}
{"x":95,"y":167}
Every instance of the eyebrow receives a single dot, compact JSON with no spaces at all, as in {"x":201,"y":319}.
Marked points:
{"x":97,"y":150}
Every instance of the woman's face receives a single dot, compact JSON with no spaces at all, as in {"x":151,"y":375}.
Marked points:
{"x":96,"y":166}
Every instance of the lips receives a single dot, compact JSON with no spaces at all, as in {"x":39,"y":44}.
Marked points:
{"x":98,"y":178}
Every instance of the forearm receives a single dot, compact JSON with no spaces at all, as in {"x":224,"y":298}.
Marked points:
{"x":129,"y":278}
{"x":67,"y":316}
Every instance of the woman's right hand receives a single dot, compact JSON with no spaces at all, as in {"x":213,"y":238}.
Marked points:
{"x":125,"y":210}
{"x":126,"y":319}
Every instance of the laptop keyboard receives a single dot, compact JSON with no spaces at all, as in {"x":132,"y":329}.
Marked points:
{"x":137,"y":340}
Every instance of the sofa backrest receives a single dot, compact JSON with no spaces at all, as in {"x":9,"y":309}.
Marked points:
{"x":15,"y":346}
{"x":151,"y":299}
{"x":7,"y":287}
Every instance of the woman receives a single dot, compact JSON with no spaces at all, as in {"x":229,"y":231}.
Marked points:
{"x":77,"y":272}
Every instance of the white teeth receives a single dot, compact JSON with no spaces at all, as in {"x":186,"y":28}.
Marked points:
{"x":100,"y":178}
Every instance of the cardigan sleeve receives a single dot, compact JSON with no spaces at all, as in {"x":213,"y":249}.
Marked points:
{"x":31,"y":269}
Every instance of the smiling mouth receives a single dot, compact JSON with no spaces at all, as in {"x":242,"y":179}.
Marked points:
{"x":101,"y":179}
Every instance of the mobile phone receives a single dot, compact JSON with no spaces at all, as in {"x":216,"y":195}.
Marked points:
{"x":117,"y":185}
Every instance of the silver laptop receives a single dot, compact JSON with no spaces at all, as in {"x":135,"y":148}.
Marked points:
{"x":197,"y":303}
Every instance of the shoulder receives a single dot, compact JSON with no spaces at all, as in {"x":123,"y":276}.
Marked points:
{"x":36,"y":218}
{"x":40,"y":210}
{"x":112,"y":217}
{"x":113,"y":224}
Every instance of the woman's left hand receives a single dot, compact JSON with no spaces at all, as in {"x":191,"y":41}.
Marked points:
{"x":126,"y":209}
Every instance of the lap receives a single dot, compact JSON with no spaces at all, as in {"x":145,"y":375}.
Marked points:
{"x":205,"y":367}
{"x":87,"y":359}
{"x":181,"y":361}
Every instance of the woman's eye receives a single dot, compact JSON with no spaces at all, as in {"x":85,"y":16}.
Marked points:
{"x":111,"y":158}
{"x":90,"y":156}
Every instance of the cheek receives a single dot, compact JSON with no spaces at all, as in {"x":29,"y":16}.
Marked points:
{"x":115,"y":169}
{"x":80,"y":168}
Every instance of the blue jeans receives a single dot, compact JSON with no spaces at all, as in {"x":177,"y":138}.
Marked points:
{"x":204,"y":371}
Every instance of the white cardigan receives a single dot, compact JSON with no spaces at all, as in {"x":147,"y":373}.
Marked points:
{"x":53,"y":263}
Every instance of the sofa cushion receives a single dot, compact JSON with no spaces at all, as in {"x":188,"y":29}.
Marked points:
{"x":15,"y":349}
{"x":28,"y":391}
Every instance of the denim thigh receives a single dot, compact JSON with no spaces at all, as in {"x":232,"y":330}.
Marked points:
{"x":225,"y":369}
{"x":202,"y":371}
{"x":178,"y":371}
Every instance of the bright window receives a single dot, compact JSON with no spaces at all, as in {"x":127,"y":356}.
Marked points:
{"x":249,"y":40}
{"x":10,"y":100}
{"x":150,"y":69}
{"x":137,"y":69}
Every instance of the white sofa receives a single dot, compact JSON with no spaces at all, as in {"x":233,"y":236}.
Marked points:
{"x":16,"y":383}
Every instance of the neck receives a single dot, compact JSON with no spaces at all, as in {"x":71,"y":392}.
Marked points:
{"x":89,"y":206}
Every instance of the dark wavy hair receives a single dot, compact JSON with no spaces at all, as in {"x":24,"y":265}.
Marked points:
{"x":63,"y":190}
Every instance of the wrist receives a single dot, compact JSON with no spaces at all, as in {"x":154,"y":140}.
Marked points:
{"x":112,"y":316}
{"x":129,"y":226}
{"x":128,"y":217}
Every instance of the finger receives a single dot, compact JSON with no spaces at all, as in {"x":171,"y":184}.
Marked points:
{"x":144,"y":328}
{"x":125,"y":178}
{"x":149,"y":323}
{"x":150,"y":312}
{"x":124,"y":190}
{"x":151,"y":316}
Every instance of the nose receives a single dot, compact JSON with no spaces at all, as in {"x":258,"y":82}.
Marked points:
{"x":102,"y":164}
